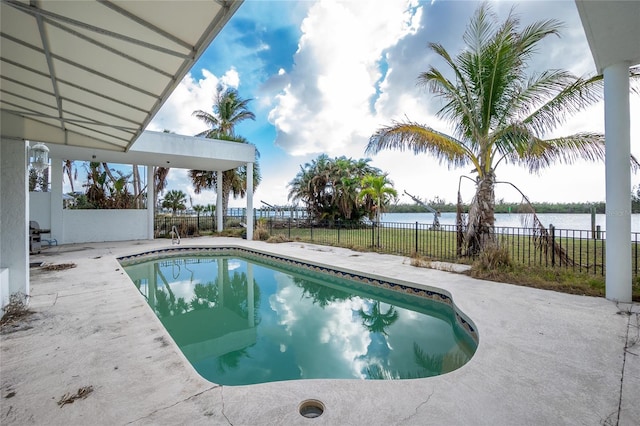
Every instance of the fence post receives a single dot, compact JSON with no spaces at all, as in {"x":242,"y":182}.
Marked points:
{"x":289,"y":222}
{"x":373,"y":235}
{"x":552,"y":229}
{"x":311,"y":231}
{"x":338,"y":222}
{"x":416,"y":237}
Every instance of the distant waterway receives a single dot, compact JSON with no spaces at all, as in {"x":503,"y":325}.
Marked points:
{"x":517,"y":220}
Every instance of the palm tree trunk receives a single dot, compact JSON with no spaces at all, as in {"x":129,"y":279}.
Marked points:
{"x":136,"y":186}
{"x":160,"y":181}
{"x":68,"y":166}
{"x":481,"y":215}
{"x":378,"y":221}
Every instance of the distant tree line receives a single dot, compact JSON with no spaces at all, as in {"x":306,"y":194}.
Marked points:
{"x":502,"y":207}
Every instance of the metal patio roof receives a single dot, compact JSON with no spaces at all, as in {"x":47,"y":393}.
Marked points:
{"x":613,"y":30}
{"x":93,"y":73}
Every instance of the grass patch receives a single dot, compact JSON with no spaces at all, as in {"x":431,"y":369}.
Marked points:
{"x":278,"y":239}
{"x":232,"y":232}
{"x":495,"y":265}
{"x":557,"y":279}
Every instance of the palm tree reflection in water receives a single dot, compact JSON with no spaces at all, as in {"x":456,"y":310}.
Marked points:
{"x":315,"y":326}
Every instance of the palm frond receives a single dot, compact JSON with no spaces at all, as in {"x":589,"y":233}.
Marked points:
{"x":565,"y":150}
{"x":574,"y":97}
{"x":536,"y":91}
{"x":532,"y":34}
{"x":420,"y":139}
{"x":458,"y":96}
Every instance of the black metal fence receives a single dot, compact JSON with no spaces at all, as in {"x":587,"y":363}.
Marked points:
{"x":192,"y":226}
{"x":578,"y":250}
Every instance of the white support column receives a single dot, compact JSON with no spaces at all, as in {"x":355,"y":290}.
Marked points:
{"x":249,"y":201}
{"x":56,"y":207}
{"x":151,"y":208}
{"x":618,"y":183}
{"x":219,"y":212}
{"x":14,"y":217}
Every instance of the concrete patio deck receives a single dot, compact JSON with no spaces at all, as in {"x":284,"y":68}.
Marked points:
{"x":544,"y":358}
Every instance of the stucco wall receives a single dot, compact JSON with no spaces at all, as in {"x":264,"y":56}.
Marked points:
{"x":85,"y":226}
{"x":40,"y":208}
{"x":14,"y":210}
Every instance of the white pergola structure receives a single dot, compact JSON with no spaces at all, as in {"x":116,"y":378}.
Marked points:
{"x":156,"y":149}
{"x":90,"y":75}
{"x":613,"y":32}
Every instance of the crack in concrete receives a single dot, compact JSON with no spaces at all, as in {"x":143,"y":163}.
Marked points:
{"x":628,"y":344}
{"x":174,"y":404}
{"x":222,"y":398}
{"x":417,"y":408}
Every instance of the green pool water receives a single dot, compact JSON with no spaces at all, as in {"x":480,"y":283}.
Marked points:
{"x":242,"y":320}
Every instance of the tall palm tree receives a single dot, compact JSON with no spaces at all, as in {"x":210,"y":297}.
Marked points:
{"x":229,"y":109}
{"x":159,"y":181}
{"x":501,"y":114}
{"x":160,"y":175}
{"x":234,"y":182}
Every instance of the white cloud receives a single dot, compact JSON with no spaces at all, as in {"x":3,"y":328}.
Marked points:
{"x":326,"y":102}
{"x":331,"y":333}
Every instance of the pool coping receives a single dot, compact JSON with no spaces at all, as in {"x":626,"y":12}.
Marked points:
{"x":544,"y":357}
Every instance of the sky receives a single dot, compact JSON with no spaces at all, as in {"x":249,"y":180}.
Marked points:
{"x":323,"y":76}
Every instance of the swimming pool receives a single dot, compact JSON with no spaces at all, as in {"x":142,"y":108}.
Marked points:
{"x":244,"y":317}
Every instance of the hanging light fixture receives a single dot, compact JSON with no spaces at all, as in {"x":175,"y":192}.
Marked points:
{"x":39,"y":156}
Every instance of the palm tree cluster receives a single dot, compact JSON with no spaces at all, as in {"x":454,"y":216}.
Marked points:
{"x":334,"y":188}
{"x":501,"y":114}
{"x":229,"y":109}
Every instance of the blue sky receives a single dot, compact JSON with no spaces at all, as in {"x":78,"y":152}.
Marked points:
{"x":324,"y":75}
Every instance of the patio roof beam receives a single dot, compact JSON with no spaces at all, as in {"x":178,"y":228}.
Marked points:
{"x":103,"y":96}
{"x":103,"y":133}
{"x":60,"y":80}
{"x":26,"y":98}
{"x":107,"y":48}
{"x":119,"y":117}
{"x":39,"y":12}
{"x":146,"y":24}
{"x":78,"y":65}
{"x":47,"y":55}
{"x":73,"y":101}
{"x":21,"y":83}
{"x":36,"y":114}
{"x":83,"y":120}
